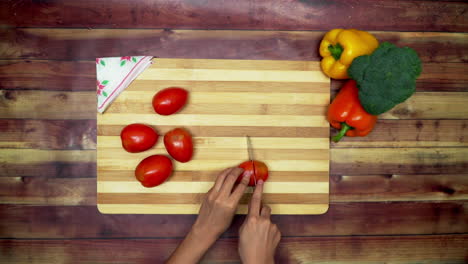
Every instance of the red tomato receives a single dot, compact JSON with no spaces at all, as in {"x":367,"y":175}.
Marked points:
{"x":261,"y":171}
{"x":179,"y":144}
{"x":169,"y":100}
{"x":153,"y":170}
{"x":138,"y":137}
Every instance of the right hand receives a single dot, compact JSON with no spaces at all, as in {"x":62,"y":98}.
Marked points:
{"x":258,"y":236}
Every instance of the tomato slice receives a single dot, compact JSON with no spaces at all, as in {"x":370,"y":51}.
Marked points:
{"x":254,"y":168}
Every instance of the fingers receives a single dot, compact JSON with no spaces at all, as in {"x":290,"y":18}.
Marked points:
{"x":255,"y":203}
{"x":220,"y":179}
{"x":231,"y":178}
{"x":240,"y":189}
{"x":277,"y":236}
{"x":266,"y":212}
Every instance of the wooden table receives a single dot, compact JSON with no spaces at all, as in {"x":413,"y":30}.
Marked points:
{"x":399,"y":195}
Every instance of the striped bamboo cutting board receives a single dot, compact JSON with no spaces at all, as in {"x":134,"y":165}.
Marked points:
{"x":281,"y":105}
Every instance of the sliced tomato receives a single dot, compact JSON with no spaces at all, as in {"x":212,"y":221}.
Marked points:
{"x":179,"y":144}
{"x":170,"y":100}
{"x":153,"y":170}
{"x":138,"y":137}
{"x":254,"y":168}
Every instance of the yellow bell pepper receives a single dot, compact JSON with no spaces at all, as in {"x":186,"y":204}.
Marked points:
{"x":339,"y":47}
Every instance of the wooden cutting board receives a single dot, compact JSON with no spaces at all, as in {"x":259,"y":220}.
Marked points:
{"x":281,"y":105}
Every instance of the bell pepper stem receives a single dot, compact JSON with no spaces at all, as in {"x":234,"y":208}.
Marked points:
{"x":344,"y":128}
{"x":336,"y":50}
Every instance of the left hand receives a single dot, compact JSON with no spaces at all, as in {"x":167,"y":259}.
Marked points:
{"x":220,"y":203}
{"x":215,"y":216}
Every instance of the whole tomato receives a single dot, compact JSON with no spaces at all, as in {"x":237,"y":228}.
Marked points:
{"x":153,"y":170}
{"x":138,"y":138}
{"x":257,"y":168}
{"x":169,"y":100}
{"x":179,"y":144}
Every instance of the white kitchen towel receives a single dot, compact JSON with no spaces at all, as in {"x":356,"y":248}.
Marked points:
{"x":114,"y":74}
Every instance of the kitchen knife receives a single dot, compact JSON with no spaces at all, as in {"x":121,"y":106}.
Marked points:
{"x":251,"y":158}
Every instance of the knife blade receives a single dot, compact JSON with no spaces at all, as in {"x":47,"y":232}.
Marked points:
{"x":251,"y":158}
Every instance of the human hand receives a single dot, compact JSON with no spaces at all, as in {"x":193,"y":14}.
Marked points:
{"x":258,"y":236}
{"x":215,"y":216}
{"x":220,"y":203}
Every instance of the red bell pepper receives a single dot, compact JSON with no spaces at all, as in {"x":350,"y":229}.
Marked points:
{"x":347,"y":114}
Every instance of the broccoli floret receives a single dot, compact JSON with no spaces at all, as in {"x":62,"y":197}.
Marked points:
{"x":385,"y":78}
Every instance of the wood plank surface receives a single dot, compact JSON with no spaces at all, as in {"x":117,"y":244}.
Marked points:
{"x":412,"y":133}
{"x":344,"y":161}
{"x":85,"y":44}
{"x":48,"y":134}
{"x":243,"y":14}
{"x":397,"y":195}
{"x":343,"y":188}
{"x":46,"y":104}
{"x":60,"y":75}
{"x":80,"y":76}
{"x":81,"y":134}
{"x":282,"y":153}
{"x":397,"y":249}
{"x":33,"y":104}
{"x":342,"y":219}
{"x":399,"y":160}
{"x":54,"y":168}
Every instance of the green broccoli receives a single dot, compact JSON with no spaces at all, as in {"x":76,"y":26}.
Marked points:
{"x":385,"y":78}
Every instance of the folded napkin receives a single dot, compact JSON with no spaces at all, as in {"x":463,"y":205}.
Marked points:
{"x":114,"y":74}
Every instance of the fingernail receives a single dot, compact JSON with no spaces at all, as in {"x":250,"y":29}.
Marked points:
{"x":247,"y":175}
{"x":260,"y":182}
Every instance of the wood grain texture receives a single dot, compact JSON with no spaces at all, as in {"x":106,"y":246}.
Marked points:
{"x":344,"y":161}
{"x":79,"y":105}
{"x":220,"y":120}
{"x":438,"y":187}
{"x":84,"y":44}
{"x":243,"y":14}
{"x":218,"y":152}
{"x":47,"y":105}
{"x":411,"y":133}
{"x":215,"y":164}
{"x":418,"y":107}
{"x":343,"y":188}
{"x":232,"y":144}
{"x":80,"y":76}
{"x":60,"y":75}
{"x":276,"y":176}
{"x":81,"y":134}
{"x":48,"y":169}
{"x":377,"y":161}
{"x":387,"y":133}
{"x":399,"y":161}
{"x":38,"y":156}
{"x":48,"y":134}
{"x":48,"y":190}
{"x":397,"y":249}
{"x":398,"y":195}
{"x":134,"y":187}
{"x":215,"y":131}
{"x":173,"y":199}
{"x":215,"y":153}
{"x":354,"y":218}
